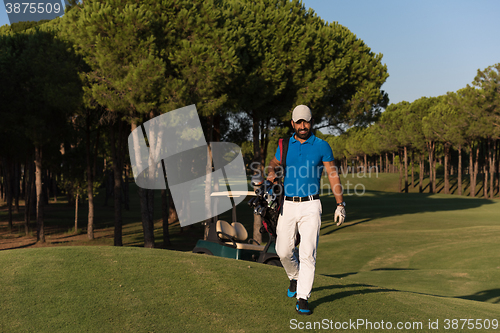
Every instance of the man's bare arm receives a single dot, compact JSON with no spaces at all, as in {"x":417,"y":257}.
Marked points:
{"x":334,"y":179}
{"x":271,"y":173}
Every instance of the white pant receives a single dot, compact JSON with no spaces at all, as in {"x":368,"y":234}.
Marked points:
{"x":306,"y":217}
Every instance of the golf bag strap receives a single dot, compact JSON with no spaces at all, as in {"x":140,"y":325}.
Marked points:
{"x":283,"y":144}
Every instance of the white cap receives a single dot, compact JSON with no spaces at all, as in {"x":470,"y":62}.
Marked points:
{"x":301,"y":112}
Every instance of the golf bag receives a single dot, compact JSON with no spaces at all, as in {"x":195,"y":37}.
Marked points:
{"x":270,"y":197}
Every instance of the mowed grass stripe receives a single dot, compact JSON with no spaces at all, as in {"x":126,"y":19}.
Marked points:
{"x":109,"y":289}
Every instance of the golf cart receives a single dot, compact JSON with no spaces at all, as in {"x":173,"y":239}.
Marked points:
{"x":232,"y":241}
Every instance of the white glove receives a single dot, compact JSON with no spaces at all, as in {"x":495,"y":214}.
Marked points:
{"x":339,"y":215}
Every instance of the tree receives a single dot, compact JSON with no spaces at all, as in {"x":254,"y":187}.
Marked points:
{"x":124,"y":76}
{"x":421,"y":108}
{"x":489,"y":82}
{"x":47,"y":81}
{"x":467,"y":100}
{"x":150,"y":58}
{"x":457,"y":120}
{"x":448,"y":126}
{"x":391,"y":122}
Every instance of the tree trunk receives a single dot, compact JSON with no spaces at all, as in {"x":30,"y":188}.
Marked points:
{"x":126,"y":187}
{"x":387,"y":162}
{"x":29,"y":175}
{"x":459,"y":170}
{"x":90,"y":179}
{"x":412,"y":169}
{"x":39,"y":195}
{"x":491,"y":168}
{"x":498,"y":173}
{"x":400,"y":183}
{"x":76,"y":210}
{"x":421,"y":174}
{"x":431,"y":146}
{"x":471,"y":172}
{"x":117,"y":172}
{"x":406,"y":169}
{"x":446,"y":171}
{"x":476,"y":169}
{"x":164,"y":215}
{"x":208,"y":175}
{"x":434,"y":183}
{"x":146,"y":198}
{"x":485,"y":170}
{"x":498,"y":163}
{"x":17,"y":180}
{"x":172,"y":212}
{"x":149,"y":237}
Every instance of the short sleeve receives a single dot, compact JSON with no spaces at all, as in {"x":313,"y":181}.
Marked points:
{"x":326,"y":152}
{"x":278,"y":154}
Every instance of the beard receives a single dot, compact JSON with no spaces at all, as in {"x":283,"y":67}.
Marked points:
{"x":303,"y":135}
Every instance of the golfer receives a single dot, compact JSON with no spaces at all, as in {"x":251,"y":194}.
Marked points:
{"x":306,"y":159}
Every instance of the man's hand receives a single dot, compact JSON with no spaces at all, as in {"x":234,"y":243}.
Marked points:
{"x":271,"y":174}
{"x":339,"y":215}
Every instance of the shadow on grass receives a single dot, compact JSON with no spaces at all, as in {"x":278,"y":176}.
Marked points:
{"x":393,"y":269}
{"x":490,"y":295}
{"x":343,"y":275}
{"x":20,"y":246}
{"x":366,"y":289}
{"x":376,"y":205}
{"x":340,"y":276}
{"x":484,"y":296}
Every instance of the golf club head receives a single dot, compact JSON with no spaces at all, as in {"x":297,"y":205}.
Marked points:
{"x":259,"y":191}
{"x":252,"y":201}
{"x":257,"y":180}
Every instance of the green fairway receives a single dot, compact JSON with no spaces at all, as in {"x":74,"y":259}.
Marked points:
{"x":108,"y":289}
{"x":413,"y":259}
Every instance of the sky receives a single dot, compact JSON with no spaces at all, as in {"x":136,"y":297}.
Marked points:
{"x":430,"y":47}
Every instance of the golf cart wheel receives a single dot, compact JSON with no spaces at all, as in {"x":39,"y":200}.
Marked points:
{"x":273,"y":262}
{"x":201,"y":250}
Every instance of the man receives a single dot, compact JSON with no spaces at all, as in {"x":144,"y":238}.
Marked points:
{"x":306,"y":158}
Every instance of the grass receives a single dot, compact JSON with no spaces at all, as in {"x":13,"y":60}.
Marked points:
{"x":108,"y":289}
{"x":399,"y":258}
{"x":388,"y":182}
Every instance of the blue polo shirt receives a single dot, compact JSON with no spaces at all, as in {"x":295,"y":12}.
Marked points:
{"x":304,"y":165}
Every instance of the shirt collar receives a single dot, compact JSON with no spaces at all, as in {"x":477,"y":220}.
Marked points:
{"x":309,"y":140}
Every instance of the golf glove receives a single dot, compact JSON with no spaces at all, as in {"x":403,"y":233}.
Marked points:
{"x":339,"y":216}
